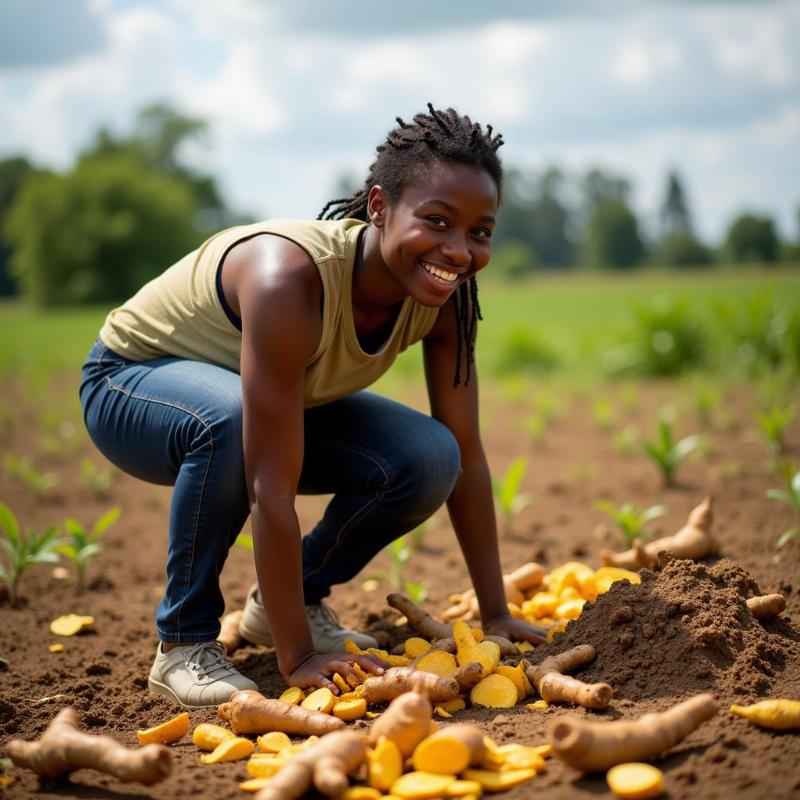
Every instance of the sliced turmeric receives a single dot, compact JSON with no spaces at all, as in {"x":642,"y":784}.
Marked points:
{"x":499,"y":781}
{"x":421,"y":785}
{"x":230,"y":750}
{"x":206,"y":736}
{"x":384,"y":765}
{"x":494,"y":691}
{"x":438,"y":662}
{"x":167,"y":732}
{"x":320,"y":700}
{"x":635,"y":781}
{"x":415,"y":647}
{"x":779,"y":715}
{"x":293,"y":696}
{"x":273,"y":742}
{"x":450,"y":750}
{"x":70,"y":624}
{"x":468,"y":650}
{"x":349,"y":710}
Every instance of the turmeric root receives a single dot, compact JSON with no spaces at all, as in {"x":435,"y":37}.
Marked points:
{"x":407,"y":720}
{"x":385,"y":765}
{"x":229,"y":634}
{"x":494,"y":691}
{"x":468,"y":675}
{"x":780,"y":715}
{"x":418,"y":618}
{"x":450,"y":750}
{"x":167,"y":732}
{"x":553,"y":686}
{"x":326,"y":765}
{"x":693,"y":541}
{"x":63,"y":748}
{"x":594,"y":746}
{"x":765,"y":606}
{"x":249,"y":711}
{"x":635,"y":780}
{"x":397,"y":680}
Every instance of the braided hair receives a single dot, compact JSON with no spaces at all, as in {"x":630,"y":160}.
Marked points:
{"x":436,"y":136}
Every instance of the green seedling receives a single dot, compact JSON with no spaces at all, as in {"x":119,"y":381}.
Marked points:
{"x":399,"y":553}
{"x":791,"y":496}
{"x":603,"y":413}
{"x":508,"y":495}
{"x":629,"y":397}
{"x":629,"y":519}
{"x":626,"y":441}
{"x":97,"y":479}
{"x":39,"y":483}
{"x":772,"y":424}
{"x":545,"y":406}
{"x":705,"y":401}
{"x":667,"y":454}
{"x":24,"y":550}
{"x":417,"y":592}
{"x":536,"y":426}
{"x":82,"y":544}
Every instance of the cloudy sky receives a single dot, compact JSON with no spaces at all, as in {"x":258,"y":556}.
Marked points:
{"x":296,"y":92}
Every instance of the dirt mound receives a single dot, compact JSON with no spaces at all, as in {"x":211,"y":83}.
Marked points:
{"x":682,"y":630}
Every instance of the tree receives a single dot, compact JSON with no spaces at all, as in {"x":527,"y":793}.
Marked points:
{"x":13,"y":173}
{"x":752,"y":238}
{"x":613,"y":236}
{"x":682,"y":249}
{"x":99,"y":232}
{"x":675,"y":217}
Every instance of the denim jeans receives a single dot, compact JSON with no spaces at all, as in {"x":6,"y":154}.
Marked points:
{"x":179,"y":422}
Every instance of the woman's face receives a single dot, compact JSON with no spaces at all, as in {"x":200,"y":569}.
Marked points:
{"x":438,"y":234}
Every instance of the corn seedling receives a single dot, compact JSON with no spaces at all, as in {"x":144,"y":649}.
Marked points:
{"x":399,"y":553}
{"x":667,"y":454}
{"x":24,"y":550}
{"x":629,"y":519}
{"x":97,"y":479}
{"x":82,"y":545}
{"x":418,"y":592}
{"x":39,"y":483}
{"x":507,"y":493}
{"x":791,"y":496}
{"x":772,"y":424}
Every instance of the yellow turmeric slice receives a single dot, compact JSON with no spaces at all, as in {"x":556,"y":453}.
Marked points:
{"x":56,"y":648}
{"x":293,"y":695}
{"x":254,"y":784}
{"x":167,"y":732}
{"x":468,"y":650}
{"x":494,"y":691}
{"x":273,"y":742}
{"x":518,"y":677}
{"x":498,"y":781}
{"x":230,"y":750}
{"x":70,"y":624}
{"x":384,"y":765}
{"x":340,"y":682}
{"x":348,"y":710}
{"x":635,"y":781}
{"x":450,"y":750}
{"x":207,"y":736}
{"x":779,"y":715}
{"x":320,"y":700}
{"x":416,"y":646}
{"x":265,"y":765}
{"x":459,"y":788}
{"x":421,"y":785}
{"x":360,"y":793}
{"x":438,"y":662}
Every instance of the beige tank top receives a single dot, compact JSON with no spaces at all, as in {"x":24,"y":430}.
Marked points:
{"x":182,"y":311}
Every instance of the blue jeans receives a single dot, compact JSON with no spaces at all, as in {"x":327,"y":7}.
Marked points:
{"x":179,"y":422}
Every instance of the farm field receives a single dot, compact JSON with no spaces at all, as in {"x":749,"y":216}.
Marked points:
{"x":581,"y":434}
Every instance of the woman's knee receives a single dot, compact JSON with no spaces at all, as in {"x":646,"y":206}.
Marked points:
{"x":433,"y":462}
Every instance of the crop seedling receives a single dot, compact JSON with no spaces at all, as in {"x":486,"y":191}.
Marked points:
{"x":772,"y":424}
{"x":603,"y":413}
{"x":629,"y":519}
{"x":24,"y":550}
{"x":98,"y":479}
{"x":666,"y":453}
{"x":82,"y":545}
{"x":507,"y":493}
{"x":791,"y":496}
{"x":39,"y":483}
{"x":536,"y":426}
{"x":626,"y":441}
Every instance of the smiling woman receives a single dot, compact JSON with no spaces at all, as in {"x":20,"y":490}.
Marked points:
{"x":237,"y":375}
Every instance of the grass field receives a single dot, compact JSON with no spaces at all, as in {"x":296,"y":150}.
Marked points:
{"x":575,"y":318}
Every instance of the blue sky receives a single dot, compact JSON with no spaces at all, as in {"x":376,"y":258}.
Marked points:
{"x":298,"y":92}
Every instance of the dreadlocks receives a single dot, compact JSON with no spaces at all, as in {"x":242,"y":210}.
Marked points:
{"x":436,"y":136}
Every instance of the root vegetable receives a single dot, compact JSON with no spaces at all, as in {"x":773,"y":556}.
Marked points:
{"x":384,"y":765}
{"x":779,"y":715}
{"x":63,"y":748}
{"x":407,"y":720}
{"x":453,"y":706}
{"x":518,"y":677}
{"x":494,"y":691}
{"x":554,"y":686}
{"x":693,"y":541}
{"x":320,"y":700}
{"x":593,"y":746}
{"x":450,"y":750}
{"x":273,"y":742}
{"x":418,"y":618}
{"x":206,"y":736}
{"x":414,"y":647}
{"x":468,"y":675}
{"x":348,"y":710}
{"x":635,"y":781}
{"x":249,"y":711}
{"x":765,"y":606}
{"x":293,"y":696}
{"x":167,"y":732}
{"x":397,"y":680}
{"x":468,"y":650}
{"x":230,"y":750}
{"x":421,"y":785}
{"x":437,"y":662}
{"x":492,"y":650}
{"x":326,"y":765}
{"x":70,"y":624}
{"x":229,"y":635}
{"x":518,"y":756}
{"x":499,"y":781}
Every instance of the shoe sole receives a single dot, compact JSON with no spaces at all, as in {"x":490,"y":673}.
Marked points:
{"x":163,"y":690}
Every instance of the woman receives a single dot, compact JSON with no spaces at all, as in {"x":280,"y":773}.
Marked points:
{"x":236,"y":375}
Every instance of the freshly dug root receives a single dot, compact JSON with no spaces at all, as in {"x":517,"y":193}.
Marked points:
{"x":63,"y":748}
{"x":326,"y":765}
{"x":635,"y":780}
{"x":554,"y":686}
{"x":249,"y":711}
{"x":397,"y":680}
{"x":419,"y":619}
{"x":595,"y":746}
{"x":765,"y":606}
{"x":450,"y":750}
{"x":779,"y":715}
{"x":229,"y":634}
{"x":468,"y":675}
{"x":407,"y":720}
{"x":693,"y":541}
{"x":468,"y":650}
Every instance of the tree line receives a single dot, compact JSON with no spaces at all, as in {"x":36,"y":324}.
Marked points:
{"x":130,"y":207}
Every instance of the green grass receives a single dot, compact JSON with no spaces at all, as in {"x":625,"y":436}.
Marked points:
{"x":576,"y":314}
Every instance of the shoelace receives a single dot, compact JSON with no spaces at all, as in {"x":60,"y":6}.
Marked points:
{"x":326,"y":616}
{"x":207,"y":658}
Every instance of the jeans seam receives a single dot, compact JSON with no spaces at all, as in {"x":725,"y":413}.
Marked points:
{"x":117,"y":388}
{"x":358,"y":515}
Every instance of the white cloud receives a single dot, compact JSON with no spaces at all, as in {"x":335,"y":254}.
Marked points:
{"x":641,"y":63}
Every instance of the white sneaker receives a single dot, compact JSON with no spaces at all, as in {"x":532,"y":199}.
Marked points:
{"x":196,"y":676}
{"x":327,"y":634}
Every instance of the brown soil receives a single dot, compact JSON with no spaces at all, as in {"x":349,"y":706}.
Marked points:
{"x":684,"y":630}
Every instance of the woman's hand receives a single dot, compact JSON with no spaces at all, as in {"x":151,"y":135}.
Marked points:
{"x":316,"y":669}
{"x":515,"y":630}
